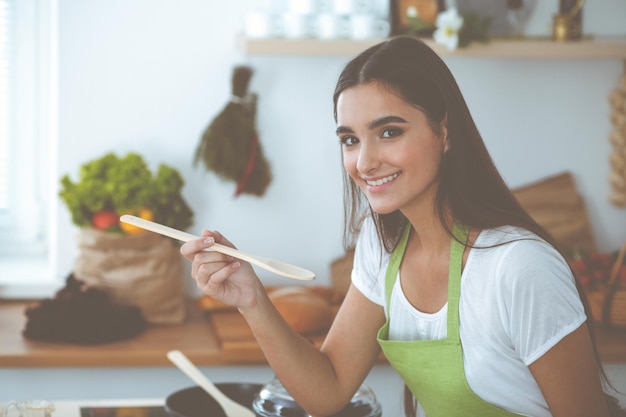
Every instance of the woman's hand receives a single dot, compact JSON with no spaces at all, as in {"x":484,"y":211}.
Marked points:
{"x":220,"y":276}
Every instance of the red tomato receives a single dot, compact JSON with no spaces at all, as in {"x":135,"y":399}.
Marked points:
{"x":579,"y":266}
{"x":598,"y":275}
{"x":584,"y":280}
{"x":104,"y":220}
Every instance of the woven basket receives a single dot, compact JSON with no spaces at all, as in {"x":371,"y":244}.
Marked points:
{"x":608,"y":304}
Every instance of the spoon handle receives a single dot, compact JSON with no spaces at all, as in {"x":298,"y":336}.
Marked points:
{"x":230,"y":407}
{"x":180,"y":235}
{"x":280,"y":268}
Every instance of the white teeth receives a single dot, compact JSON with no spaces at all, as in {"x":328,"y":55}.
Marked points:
{"x":383,"y":180}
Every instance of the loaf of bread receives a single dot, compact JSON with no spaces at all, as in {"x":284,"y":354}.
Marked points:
{"x":307,"y":309}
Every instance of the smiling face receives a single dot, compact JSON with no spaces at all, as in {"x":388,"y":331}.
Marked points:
{"x":389,"y":149}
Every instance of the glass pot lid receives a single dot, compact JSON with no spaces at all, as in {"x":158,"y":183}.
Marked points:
{"x":273,"y":400}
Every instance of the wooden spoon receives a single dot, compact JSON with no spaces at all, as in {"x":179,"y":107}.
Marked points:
{"x":230,"y":407}
{"x":278,"y":267}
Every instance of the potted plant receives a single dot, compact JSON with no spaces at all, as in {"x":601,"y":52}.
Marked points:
{"x":137,"y":267}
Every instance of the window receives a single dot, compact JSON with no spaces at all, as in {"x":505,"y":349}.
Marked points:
{"x":27,"y":137}
{"x":4,"y":108}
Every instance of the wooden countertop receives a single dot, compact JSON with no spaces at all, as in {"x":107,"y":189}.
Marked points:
{"x":197,"y":338}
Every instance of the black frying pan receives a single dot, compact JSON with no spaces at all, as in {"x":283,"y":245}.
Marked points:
{"x":195,"y":402}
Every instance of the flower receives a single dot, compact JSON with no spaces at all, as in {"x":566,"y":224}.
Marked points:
{"x":449,"y":24}
{"x":451,"y":29}
{"x":411,"y":11}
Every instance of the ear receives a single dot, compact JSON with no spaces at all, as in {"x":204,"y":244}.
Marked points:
{"x":444,"y":133}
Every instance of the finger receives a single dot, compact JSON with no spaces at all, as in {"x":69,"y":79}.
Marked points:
{"x":191,"y":248}
{"x":219,"y":238}
{"x":203,"y":271}
{"x":213,"y":283}
{"x":210,"y":256}
{"x":213,"y":260}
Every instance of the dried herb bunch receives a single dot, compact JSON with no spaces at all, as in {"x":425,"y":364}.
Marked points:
{"x":230,"y":145}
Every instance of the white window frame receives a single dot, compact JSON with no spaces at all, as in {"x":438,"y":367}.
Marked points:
{"x":28,"y":227}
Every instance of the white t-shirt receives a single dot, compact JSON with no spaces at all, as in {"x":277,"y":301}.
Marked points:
{"x":517,"y":301}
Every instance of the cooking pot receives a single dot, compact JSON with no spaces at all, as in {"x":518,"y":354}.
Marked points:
{"x":269,"y":400}
{"x":195,"y":402}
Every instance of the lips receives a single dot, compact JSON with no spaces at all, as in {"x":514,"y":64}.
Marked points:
{"x":381,"y":181}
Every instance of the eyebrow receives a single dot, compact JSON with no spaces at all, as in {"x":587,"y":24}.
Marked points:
{"x":373,"y":124}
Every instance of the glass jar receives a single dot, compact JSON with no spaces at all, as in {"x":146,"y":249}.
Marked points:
{"x":273,"y":400}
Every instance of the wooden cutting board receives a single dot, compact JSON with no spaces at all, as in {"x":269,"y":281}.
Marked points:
{"x":233,"y":332}
{"x":555,"y":203}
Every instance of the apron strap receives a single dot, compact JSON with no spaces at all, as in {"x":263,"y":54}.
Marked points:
{"x":455,"y":268}
{"x":394,"y":263}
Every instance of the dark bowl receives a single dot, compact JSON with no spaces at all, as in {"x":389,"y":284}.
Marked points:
{"x":195,"y":402}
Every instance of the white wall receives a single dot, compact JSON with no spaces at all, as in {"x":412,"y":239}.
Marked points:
{"x":148,"y":76}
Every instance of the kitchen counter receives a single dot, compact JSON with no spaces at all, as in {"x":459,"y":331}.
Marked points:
{"x":134,"y":407}
{"x":222,"y":338}
{"x":198,"y":338}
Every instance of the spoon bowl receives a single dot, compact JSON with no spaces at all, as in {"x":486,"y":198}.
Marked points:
{"x":278,"y":267}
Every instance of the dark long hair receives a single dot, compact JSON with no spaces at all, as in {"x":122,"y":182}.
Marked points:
{"x":470,"y":188}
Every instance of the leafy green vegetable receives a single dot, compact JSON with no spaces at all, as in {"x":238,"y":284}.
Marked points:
{"x":126,"y":185}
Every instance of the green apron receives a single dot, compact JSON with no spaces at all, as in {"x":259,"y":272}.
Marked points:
{"x":433,"y":369}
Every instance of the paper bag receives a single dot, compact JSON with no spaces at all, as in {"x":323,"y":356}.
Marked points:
{"x":143,"y":270}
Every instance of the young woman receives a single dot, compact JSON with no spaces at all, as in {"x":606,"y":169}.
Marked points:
{"x":465,"y":294}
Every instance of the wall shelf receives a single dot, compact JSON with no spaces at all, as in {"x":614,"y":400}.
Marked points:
{"x":523,"y":48}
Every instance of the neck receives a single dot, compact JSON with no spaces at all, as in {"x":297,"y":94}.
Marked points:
{"x":428,"y":232}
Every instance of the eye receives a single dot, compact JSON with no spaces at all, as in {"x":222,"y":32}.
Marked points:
{"x":391,"y":132}
{"x":348,"y":140}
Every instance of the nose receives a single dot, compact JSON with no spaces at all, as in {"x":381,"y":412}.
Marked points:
{"x":368,"y":158}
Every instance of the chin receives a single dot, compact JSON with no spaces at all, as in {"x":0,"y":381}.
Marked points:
{"x":383,"y":210}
